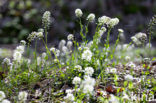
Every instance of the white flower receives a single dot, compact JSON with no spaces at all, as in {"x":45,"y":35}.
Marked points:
{"x":17,"y":56}
{"x":125,"y":97}
{"x":90,"y":44}
{"x":57,"y":52}
{"x":56,"y":61}
{"x":39,"y":61}
{"x":69,"y":45}
{"x":70,"y":37}
{"x":89,"y":71}
{"x":113,"y":22}
{"x":88,"y":89}
{"x":118,"y":47}
{"x":91,"y":17}
{"x":101,"y":31}
{"x":20,"y":49}
{"x":139,"y":35}
{"x":127,"y":58}
{"x":39,"y":34}
{"x":38,"y":93}
{"x":2,"y":95}
{"x":87,"y":55}
{"x":52,"y":49}
{"x":76,"y":80}
{"x":103,"y":20}
{"x":88,"y":81}
{"x":86,"y":48}
{"x":5,"y":101}
{"x":131,"y":65}
{"x":104,"y":93}
{"x":65,"y":50}
{"x":79,"y":48}
{"x":22,"y":96}
{"x":41,"y":30}
{"x":135,"y":41}
{"x":44,"y":55}
{"x":113,"y":70}
{"x":129,"y":77}
{"x":7,"y":61}
{"x":69,"y":97}
{"x":113,"y":99}
{"x":120,"y":30}
{"x":61,"y":44}
{"x":46,"y":19}
{"x":78,"y":67}
{"x":69,"y":91}
{"x":78,"y":13}
{"x":23,"y":42}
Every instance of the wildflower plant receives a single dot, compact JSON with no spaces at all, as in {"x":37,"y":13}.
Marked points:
{"x":79,"y":72}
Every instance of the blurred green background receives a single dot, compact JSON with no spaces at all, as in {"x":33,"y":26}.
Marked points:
{"x":19,"y":17}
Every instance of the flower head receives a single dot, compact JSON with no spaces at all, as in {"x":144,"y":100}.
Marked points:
{"x":78,"y":67}
{"x":76,"y":80}
{"x":103,"y":20}
{"x":2,"y":95}
{"x":17,"y":56}
{"x":6,"y":60}
{"x":70,"y":37}
{"x":20,"y":49}
{"x":46,"y":19}
{"x":69,"y":97}
{"x":88,"y":89}
{"x":129,"y":77}
{"x":5,"y":101}
{"x":120,"y":30}
{"x":35,"y":35}
{"x":23,"y":42}
{"x":113,"y":70}
{"x":87,"y":55}
{"x":141,"y":36}
{"x":88,"y":81}
{"x":91,"y":17}
{"x":61,"y":44}
{"x":22,"y":96}
{"x":78,"y":13}
{"x":69,"y":45}
{"x":113,"y":22}
{"x":89,"y":71}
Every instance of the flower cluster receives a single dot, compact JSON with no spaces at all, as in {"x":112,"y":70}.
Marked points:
{"x":22,"y":96}
{"x":110,"y":22}
{"x":2,"y":98}
{"x":35,"y":35}
{"x":139,"y":38}
{"x":91,"y":17}
{"x":46,"y":19}
{"x":69,"y":97}
{"x":17,"y":55}
{"x":78,"y":13}
{"x":87,"y":55}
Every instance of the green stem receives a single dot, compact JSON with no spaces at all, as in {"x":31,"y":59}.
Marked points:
{"x":47,"y":49}
{"x":35,"y":55}
{"x":81,"y":31}
{"x":108,"y":36}
{"x":46,"y":33}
